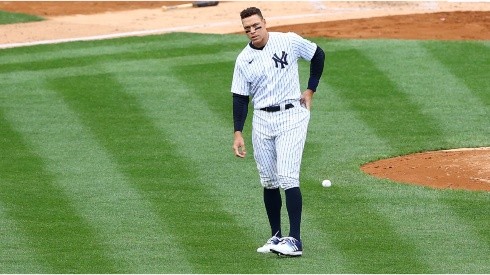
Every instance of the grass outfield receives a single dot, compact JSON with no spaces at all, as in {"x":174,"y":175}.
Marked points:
{"x":116,"y":158}
{"x":12,"y":18}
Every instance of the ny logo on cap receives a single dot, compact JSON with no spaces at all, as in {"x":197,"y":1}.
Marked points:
{"x":282,"y":60}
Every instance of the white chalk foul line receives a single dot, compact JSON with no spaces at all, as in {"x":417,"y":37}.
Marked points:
{"x":103,"y":36}
{"x":144,"y":32}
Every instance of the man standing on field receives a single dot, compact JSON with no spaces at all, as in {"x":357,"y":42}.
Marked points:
{"x":267,"y":71}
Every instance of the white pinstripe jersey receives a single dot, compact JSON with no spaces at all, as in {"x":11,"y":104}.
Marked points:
{"x":270,"y":76}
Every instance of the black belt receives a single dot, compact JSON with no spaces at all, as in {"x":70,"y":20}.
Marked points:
{"x":277,"y":108}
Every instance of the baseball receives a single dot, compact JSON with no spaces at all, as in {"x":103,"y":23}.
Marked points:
{"x":326,"y":183}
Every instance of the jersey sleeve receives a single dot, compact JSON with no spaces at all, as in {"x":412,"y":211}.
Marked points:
{"x":304,"y":48}
{"x":239,"y":84}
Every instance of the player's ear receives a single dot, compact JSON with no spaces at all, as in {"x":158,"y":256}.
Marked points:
{"x":265,"y":23}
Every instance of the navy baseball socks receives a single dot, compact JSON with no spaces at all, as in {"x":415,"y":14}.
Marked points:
{"x":273,"y":205}
{"x":289,"y":246}
{"x":294,"y":205}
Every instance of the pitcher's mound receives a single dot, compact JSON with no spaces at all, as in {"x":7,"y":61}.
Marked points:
{"x":466,"y":168}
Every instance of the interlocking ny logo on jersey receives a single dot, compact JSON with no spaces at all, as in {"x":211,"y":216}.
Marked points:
{"x":283,"y":60}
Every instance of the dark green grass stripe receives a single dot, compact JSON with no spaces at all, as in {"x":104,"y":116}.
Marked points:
{"x":469,"y":61}
{"x":63,"y":240}
{"x":379,"y":103}
{"x":148,"y":158}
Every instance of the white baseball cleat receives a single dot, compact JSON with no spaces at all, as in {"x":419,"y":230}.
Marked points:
{"x":288,"y":246}
{"x":266,"y":248}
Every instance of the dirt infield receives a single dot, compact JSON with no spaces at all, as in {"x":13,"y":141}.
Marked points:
{"x":454,"y":169}
{"x":457,"y":169}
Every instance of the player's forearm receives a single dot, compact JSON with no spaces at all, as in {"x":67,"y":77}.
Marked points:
{"x":240,"y":111}
{"x":316,"y":69}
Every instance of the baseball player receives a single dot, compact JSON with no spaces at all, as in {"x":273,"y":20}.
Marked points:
{"x":266,"y":71}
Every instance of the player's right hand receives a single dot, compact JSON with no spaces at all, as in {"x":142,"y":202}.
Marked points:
{"x":239,"y":145}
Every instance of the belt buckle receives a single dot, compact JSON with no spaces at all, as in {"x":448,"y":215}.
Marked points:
{"x":282,"y":107}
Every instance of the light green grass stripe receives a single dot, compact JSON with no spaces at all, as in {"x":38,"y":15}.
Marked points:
{"x":126,"y":223}
{"x":16,"y":255}
{"x":429,"y":84}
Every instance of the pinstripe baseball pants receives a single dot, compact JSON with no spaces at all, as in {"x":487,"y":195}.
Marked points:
{"x":278,"y":140}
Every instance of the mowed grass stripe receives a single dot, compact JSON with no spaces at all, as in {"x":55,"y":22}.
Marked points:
{"x":381,"y":104}
{"x":439,"y":94}
{"x":17,"y":255}
{"x":148,"y":158}
{"x":126,"y":226}
{"x":62,"y":239}
{"x":469,"y":61}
